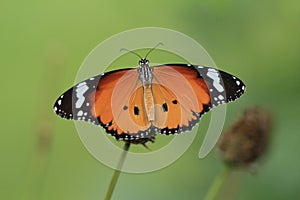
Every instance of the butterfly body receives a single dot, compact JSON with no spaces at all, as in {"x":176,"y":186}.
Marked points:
{"x":146,"y":76}
{"x":136,"y":103}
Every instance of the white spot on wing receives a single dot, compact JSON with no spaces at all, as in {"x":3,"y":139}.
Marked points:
{"x":212,"y":70}
{"x":80,"y":113}
{"x":214,"y":75}
{"x":81,"y":84}
{"x":238,"y":82}
{"x":55,"y":109}
{"x":80,"y":90}
{"x":59,"y":102}
{"x":221,"y":97}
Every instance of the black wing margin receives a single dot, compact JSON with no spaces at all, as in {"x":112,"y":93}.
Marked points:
{"x":223,"y":87}
{"x":75,"y":103}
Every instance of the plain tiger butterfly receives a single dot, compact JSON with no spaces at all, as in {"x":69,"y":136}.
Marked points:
{"x":134,"y":104}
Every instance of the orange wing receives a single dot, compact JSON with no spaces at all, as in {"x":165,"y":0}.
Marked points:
{"x":113,"y":100}
{"x":181,"y":94}
{"x":119,"y":105}
{"x":180,"y":97}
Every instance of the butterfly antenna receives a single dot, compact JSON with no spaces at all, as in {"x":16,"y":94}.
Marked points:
{"x":153,"y":49}
{"x":124,"y":49}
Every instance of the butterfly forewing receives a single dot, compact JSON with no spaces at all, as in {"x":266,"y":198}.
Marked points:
{"x":223,"y":87}
{"x":77,"y":102}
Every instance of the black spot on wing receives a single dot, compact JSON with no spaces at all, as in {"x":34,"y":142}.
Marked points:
{"x":136,"y":110}
{"x":165,"y":107}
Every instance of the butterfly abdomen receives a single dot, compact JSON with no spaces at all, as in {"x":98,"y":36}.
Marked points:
{"x":149,"y":103}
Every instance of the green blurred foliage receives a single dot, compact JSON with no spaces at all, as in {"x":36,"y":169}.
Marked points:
{"x":43,"y":44}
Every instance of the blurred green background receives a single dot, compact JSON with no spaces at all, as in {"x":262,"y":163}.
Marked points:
{"x":42,"y":45}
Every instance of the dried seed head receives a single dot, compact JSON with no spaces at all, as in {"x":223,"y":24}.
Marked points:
{"x":247,"y":139}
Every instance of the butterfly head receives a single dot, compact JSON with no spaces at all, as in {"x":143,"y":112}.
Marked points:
{"x":143,"y":62}
{"x":145,"y":72}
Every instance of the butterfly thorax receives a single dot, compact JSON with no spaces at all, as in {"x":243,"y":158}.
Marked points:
{"x":146,"y":76}
{"x":145,"y":72}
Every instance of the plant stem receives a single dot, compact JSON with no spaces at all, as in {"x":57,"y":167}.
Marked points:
{"x":216,"y":185}
{"x":117,"y":172}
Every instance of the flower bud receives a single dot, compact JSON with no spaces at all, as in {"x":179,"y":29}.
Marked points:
{"x":247,"y":139}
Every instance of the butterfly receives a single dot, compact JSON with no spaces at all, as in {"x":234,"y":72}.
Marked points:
{"x":134,"y":104}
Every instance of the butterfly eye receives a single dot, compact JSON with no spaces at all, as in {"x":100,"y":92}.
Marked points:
{"x":165,"y":107}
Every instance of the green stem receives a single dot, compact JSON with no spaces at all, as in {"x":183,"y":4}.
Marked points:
{"x":218,"y":182}
{"x":117,"y":172}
